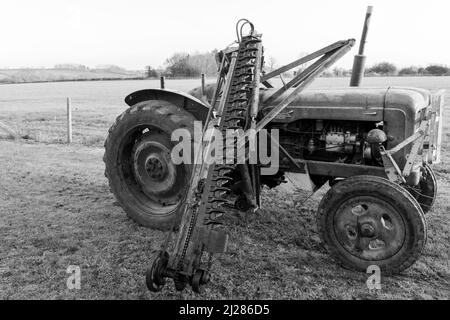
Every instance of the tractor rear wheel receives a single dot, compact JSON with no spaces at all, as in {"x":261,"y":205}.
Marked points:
{"x":368,"y":220}
{"x":141,"y":174}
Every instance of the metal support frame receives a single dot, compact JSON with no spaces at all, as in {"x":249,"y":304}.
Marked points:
{"x":300,"y":77}
{"x":309,"y":57}
{"x":435,"y":130}
{"x":330,"y":55}
{"x":391,"y":168}
{"x":342,"y":47}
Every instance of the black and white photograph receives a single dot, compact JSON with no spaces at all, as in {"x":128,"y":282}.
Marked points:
{"x":225,"y":155}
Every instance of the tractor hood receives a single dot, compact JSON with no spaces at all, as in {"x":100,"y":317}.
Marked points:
{"x":348,"y":103}
{"x":351,"y":103}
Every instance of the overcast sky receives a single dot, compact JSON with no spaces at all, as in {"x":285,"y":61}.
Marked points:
{"x":135,"y":33}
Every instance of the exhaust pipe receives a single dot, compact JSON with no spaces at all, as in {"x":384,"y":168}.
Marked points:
{"x":360,"y":58}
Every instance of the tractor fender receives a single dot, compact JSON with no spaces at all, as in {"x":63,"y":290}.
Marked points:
{"x":181,"y":99}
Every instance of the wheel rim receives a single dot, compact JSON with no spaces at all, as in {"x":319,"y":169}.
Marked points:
{"x":369,"y":228}
{"x":148,"y":172}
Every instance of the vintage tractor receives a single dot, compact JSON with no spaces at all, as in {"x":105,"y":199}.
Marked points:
{"x":373,"y":146}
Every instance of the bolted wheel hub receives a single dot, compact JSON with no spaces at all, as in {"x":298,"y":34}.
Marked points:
{"x":156,"y":175}
{"x":153,"y":167}
{"x":156,"y":169}
{"x":369,"y":228}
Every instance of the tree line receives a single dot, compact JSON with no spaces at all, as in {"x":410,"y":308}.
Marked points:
{"x":185,"y":65}
{"x":386,"y":68}
{"x":390,"y":69}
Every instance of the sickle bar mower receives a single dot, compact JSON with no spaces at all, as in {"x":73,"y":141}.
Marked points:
{"x":202,"y":231}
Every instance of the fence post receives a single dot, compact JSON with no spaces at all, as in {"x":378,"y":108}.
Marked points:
{"x":69,"y":120}
{"x":162,"y":79}
{"x":203,"y":85}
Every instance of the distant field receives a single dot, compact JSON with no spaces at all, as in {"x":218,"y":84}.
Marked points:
{"x":37,"y":110}
{"x":46,"y":75}
{"x":56,"y":210}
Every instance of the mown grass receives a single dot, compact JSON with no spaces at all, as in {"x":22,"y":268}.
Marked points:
{"x":56,"y":211}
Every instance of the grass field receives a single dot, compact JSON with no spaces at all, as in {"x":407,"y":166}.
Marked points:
{"x":56,"y":210}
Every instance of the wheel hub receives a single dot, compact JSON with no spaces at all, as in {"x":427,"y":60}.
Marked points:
{"x":156,"y":167}
{"x":153,"y":167}
{"x":369,"y":228}
{"x":155,"y":174}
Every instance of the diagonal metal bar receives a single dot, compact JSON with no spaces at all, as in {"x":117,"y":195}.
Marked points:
{"x":303,"y":60}
{"x":267,"y":84}
{"x":219,"y":83}
{"x":305,"y":83}
{"x":227,"y":85}
{"x":299,"y":78}
{"x":420,"y":132}
{"x":348,"y":44}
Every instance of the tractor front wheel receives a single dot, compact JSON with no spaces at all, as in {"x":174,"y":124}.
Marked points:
{"x":368,"y":220}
